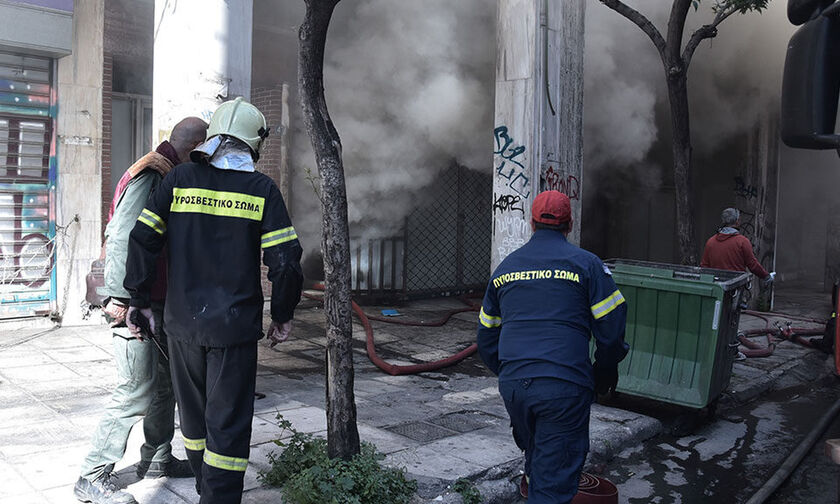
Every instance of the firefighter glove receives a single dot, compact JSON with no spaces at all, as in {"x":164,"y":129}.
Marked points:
{"x":606,"y":378}
{"x":141,"y":322}
{"x":278,"y":333}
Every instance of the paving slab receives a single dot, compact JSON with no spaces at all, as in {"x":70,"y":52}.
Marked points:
{"x":40,"y":373}
{"x":385,"y":441}
{"x":428,"y":462}
{"x":85,"y":353}
{"x":23,"y":357}
{"x":52,"y":468}
{"x":11,"y":482}
{"x":40,"y":435}
{"x":28,"y":498}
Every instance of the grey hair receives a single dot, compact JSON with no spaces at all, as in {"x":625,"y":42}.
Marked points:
{"x":729,"y":216}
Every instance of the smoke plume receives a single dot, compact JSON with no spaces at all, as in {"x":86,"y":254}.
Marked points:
{"x":732,"y":80}
{"x":410,"y":89}
{"x":410,"y":86}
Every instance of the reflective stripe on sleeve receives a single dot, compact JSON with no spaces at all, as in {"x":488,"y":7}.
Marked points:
{"x":225,"y":462}
{"x":277,"y":237}
{"x":489,"y":320}
{"x":194,"y":444}
{"x":607,"y":305}
{"x":152,"y":220}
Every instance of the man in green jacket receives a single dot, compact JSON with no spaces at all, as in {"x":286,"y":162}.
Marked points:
{"x":144,"y":388}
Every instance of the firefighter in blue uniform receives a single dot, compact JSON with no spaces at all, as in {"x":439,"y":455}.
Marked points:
{"x":541,"y":305}
{"x":218,"y":216}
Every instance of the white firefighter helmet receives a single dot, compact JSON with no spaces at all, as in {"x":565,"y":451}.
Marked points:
{"x":239,"y":119}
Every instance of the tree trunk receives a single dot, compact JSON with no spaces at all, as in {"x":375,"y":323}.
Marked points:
{"x":342,"y":432}
{"x":681,"y":145}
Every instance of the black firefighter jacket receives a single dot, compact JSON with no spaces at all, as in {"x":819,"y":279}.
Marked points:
{"x":216,"y":223}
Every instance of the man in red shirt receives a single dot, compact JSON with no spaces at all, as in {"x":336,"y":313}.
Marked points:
{"x":730,"y":250}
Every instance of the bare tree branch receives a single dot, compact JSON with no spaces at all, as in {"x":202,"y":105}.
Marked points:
{"x":674,"y":37}
{"x":641,"y":21}
{"x":705,"y":32}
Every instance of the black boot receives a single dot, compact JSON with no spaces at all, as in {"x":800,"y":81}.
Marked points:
{"x":174,"y":468}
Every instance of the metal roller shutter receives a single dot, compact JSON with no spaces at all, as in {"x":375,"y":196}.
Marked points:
{"x":27,"y":186}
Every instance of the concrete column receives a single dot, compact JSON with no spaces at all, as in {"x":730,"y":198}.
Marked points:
{"x":539,"y":114}
{"x":202,"y":57}
{"x":757,"y":196}
{"x":79,"y":157}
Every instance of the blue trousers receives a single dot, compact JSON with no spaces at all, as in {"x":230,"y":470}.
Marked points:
{"x":550,"y":420}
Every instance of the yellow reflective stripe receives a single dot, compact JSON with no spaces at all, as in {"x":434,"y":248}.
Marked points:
{"x":277,"y":237}
{"x":154,"y":217}
{"x":221,"y":203}
{"x":489,"y":320}
{"x":607,"y":305}
{"x":225,"y":462}
{"x":194,"y":444}
{"x":154,"y":225}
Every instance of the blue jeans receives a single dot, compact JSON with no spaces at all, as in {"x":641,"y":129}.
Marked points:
{"x":550,"y":419}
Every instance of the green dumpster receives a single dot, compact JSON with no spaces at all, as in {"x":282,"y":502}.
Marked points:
{"x":682,"y":325}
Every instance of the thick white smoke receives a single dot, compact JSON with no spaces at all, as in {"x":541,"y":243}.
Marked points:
{"x":410,"y":89}
{"x":733,"y":78}
{"x":623,"y":79}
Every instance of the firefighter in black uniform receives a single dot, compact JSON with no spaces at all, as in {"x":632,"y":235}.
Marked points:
{"x":217,"y":215}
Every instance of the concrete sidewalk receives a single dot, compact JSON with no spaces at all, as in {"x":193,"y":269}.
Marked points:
{"x":439,"y":426}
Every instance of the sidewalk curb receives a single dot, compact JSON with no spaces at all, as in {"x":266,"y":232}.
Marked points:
{"x":611,"y":431}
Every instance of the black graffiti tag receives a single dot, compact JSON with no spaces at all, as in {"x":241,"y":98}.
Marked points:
{"x":743,"y":190}
{"x":507,"y":203}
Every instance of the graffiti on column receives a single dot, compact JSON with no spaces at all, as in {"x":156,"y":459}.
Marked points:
{"x":509,"y":162}
{"x":514,"y":188}
{"x":555,"y":179}
{"x":511,"y":231}
{"x":507,"y":203}
{"x":743,"y":190}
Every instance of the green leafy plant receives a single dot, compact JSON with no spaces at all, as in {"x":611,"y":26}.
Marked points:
{"x":308,"y":476}
{"x":467,"y":489}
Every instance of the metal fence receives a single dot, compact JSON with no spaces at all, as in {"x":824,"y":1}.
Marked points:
{"x":444,"y":248}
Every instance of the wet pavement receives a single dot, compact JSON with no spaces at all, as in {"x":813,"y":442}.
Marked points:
{"x":731,"y":457}
{"x":440,"y":426}
{"x":816,"y":479}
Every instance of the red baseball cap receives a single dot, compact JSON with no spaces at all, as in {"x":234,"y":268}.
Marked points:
{"x":552,"y":208}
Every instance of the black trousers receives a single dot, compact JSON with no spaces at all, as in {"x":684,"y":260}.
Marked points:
{"x":214,"y":388}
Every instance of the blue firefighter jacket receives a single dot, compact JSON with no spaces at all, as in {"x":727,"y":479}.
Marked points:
{"x":541,"y":305}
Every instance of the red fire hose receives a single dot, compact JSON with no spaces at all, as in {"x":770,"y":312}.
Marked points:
{"x":754,"y":349}
{"x":393,"y":369}
{"x":792,"y":334}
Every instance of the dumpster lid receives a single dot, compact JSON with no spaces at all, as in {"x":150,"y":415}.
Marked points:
{"x":726,"y":279}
